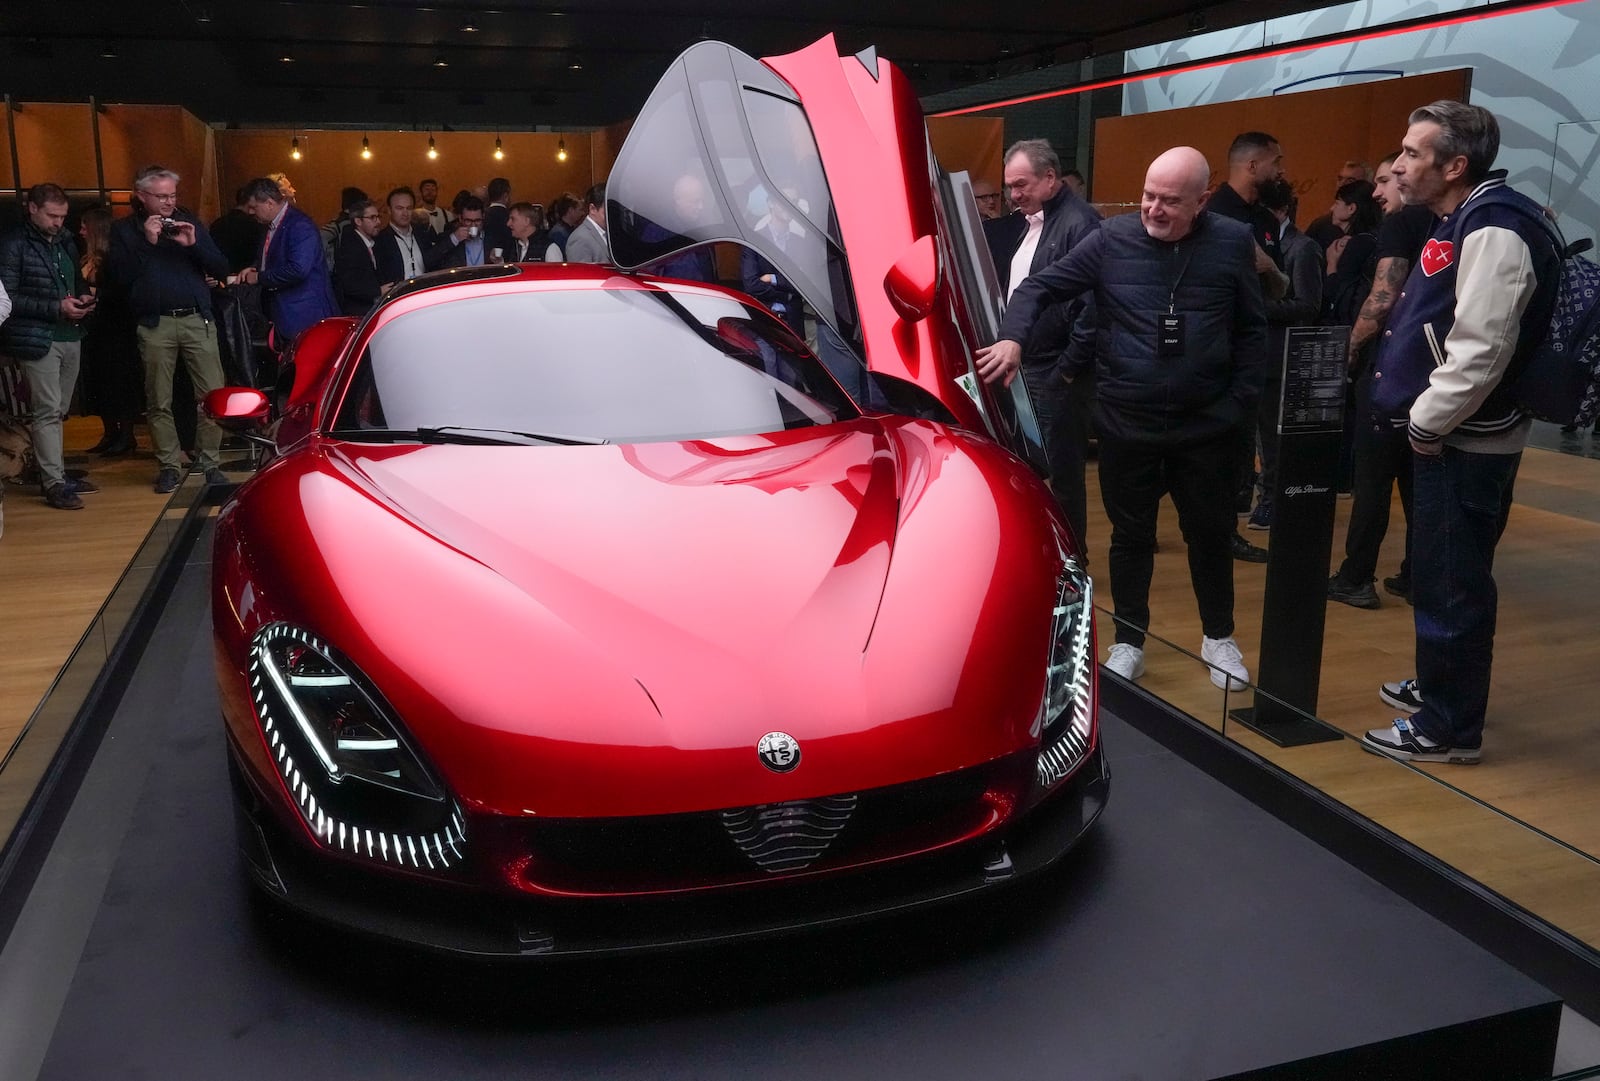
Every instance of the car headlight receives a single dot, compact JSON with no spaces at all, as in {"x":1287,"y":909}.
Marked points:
{"x":355,"y":777}
{"x":1066,"y":717}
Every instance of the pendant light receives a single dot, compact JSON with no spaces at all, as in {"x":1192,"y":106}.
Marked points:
{"x":561,"y":149}
{"x":433,"y":151}
{"x":294,"y":148}
{"x":366,"y":150}
{"x":499,"y":154}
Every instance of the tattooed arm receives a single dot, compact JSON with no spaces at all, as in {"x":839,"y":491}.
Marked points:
{"x":1386,"y":283}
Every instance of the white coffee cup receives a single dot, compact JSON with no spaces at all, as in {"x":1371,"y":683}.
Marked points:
{"x":472,"y":230}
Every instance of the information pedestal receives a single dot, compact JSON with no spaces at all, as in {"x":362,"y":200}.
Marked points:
{"x":1295,"y":607}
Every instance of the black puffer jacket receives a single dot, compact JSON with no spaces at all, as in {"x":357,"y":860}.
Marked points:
{"x":1209,"y":276}
{"x":33,"y":280}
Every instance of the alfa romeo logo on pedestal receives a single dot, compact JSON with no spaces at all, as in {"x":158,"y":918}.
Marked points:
{"x":779,"y":751}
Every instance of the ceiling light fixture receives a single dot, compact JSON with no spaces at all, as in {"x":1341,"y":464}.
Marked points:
{"x":286,"y":57}
{"x":366,"y":149}
{"x":468,"y":26}
{"x":499,"y":154}
{"x":294,"y":149}
{"x":439,"y":61}
{"x":575,"y":64}
{"x":561,"y":149}
{"x":433,"y":151}
{"x":108,"y":51}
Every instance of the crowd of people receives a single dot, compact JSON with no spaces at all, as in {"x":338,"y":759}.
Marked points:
{"x":1446,"y":277}
{"x":1160,"y":332}
{"x":125,"y":311}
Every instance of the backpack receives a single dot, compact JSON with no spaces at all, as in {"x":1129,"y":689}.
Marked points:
{"x":1561,"y":382}
{"x":1343,"y":308}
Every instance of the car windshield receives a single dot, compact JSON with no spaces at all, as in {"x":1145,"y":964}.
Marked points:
{"x":586,"y":365}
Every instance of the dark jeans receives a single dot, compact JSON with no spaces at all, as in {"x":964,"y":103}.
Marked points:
{"x":1200,"y":478}
{"x":1267,"y":434}
{"x":1462,"y":501}
{"x":1063,"y":425}
{"x":1382,"y":460}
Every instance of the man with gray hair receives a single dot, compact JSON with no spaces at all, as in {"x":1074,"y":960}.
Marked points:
{"x":1474,"y":308}
{"x":1049,"y":221}
{"x":160,"y":258}
{"x":1180,"y":344}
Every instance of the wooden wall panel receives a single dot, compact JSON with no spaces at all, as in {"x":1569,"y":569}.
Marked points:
{"x":332,"y":160}
{"x":971,"y":143}
{"x":1319,"y":130}
{"x":6,"y":175}
{"x":55,"y":144}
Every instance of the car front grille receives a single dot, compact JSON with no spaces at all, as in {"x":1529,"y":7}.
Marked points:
{"x":791,"y":835}
{"x":670,"y":853}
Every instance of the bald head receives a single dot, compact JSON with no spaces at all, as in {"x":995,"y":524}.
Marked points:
{"x":1174,"y":192}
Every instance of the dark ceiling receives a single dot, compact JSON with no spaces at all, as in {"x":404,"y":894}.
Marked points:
{"x":519,"y":64}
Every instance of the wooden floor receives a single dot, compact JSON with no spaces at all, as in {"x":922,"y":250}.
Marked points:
{"x":1541,"y":754}
{"x":1541,"y":759}
{"x":59,"y":566}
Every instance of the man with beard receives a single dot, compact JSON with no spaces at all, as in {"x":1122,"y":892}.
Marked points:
{"x":1382,"y":451}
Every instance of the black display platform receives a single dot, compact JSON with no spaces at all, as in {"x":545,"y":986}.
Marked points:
{"x":1192,"y":936}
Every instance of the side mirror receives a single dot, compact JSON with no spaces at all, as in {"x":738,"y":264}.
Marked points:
{"x":913,"y":281}
{"x":237,"y":409}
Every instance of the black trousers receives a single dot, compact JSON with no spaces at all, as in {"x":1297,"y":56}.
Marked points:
{"x":1200,"y":478}
{"x":1382,"y":460}
{"x":1061,"y":408}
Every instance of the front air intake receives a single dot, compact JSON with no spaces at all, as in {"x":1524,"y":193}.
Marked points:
{"x":788,"y":836}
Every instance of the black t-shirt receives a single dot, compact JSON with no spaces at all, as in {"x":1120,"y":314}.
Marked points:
{"x":1403,"y":233}
{"x":1263,"y":225}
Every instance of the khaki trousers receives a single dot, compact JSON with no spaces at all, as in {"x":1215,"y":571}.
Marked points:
{"x":194,"y":339}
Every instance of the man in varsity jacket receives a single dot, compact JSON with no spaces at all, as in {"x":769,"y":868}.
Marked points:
{"x":1477,"y":303}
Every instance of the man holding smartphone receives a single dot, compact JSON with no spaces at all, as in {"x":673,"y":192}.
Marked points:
{"x":161,"y":257}
{"x":49,"y":301}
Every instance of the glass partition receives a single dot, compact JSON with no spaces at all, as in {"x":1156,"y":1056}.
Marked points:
{"x":29,"y":757}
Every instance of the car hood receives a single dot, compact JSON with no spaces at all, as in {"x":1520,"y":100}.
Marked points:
{"x":611,"y":630}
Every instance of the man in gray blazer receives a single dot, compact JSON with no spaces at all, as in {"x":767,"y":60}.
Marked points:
{"x":587,"y":244}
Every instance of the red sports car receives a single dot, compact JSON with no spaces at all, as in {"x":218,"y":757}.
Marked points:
{"x":581,"y":609}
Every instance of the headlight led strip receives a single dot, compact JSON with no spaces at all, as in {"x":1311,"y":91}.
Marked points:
{"x":1061,"y":757}
{"x":437,"y":852}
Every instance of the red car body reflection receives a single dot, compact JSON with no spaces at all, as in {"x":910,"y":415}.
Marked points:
{"x":519,"y":685}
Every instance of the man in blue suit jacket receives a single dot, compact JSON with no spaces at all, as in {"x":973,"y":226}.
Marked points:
{"x":292,"y":270}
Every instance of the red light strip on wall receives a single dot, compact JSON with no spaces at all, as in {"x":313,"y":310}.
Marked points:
{"x":1260,"y":54}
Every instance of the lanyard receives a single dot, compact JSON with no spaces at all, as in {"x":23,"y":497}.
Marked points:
{"x":1172,"y":298}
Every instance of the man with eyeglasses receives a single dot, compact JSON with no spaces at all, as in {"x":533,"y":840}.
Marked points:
{"x":991,"y":205}
{"x":160,"y":259}
{"x":463,"y":244}
{"x":355,"y":267}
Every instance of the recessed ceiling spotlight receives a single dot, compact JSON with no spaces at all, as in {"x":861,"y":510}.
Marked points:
{"x":286,"y":57}
{"x":108,"y":51}
{"x":575,"y":64}
{"x":440,"y":62}
{"x":468,"y":26}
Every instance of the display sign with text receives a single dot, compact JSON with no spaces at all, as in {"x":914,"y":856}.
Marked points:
{"x":1314,"y":379}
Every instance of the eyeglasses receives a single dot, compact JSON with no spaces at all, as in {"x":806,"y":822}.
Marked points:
{"x":168,"y":197}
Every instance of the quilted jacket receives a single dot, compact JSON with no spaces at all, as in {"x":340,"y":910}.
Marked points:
{"x":32,"y":278}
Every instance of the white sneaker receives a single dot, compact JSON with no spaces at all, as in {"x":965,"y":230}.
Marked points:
{"x":1126,"y":661}
{"x":1223,"y":655}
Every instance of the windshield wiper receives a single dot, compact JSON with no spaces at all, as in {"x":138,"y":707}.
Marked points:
{"x":489,"y":437}
{"x":455,"y":433}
